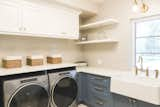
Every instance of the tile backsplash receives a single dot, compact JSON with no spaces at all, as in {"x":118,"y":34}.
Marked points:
{"x":23,"y":46}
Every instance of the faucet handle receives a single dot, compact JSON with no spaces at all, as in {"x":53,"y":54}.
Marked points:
{"x":157,"y":73}
{"x":147,"y":72}
{"x":136,"y":70}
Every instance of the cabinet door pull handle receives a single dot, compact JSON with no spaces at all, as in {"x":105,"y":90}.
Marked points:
{"x":20,"y":28}
{"x":99,"y":102}
{"x":98,"y":89}
{"x":24,"y":29}
{"x":98,"y":79}
{"x":130,"y":100}
{"x":134,"y":101}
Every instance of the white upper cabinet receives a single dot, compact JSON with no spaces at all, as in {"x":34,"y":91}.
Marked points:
{"x":9,"y":17}
{"x":40,"y":20}
{"x":70,"y":24}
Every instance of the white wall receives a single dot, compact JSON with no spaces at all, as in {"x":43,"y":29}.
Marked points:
{"x":85,"y":5}
{"x":23,"y":46}
{"x":115,"y":56}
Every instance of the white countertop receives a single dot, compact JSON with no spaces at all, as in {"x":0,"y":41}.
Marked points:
{"x":27,"y":69}
{"x":91,"y":70}
{"x":102,"y":71}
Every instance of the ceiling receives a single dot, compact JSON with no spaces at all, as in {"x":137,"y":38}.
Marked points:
{"x":88,"y":8}
{"x":97,"y":1}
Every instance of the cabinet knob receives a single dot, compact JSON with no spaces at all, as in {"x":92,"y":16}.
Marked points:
{"x":130,"y":100}
{"x":134,"y":101}
{"x":20,"y":28}
{"x":24,"y":29}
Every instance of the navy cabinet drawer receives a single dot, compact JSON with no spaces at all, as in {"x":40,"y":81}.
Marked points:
{"x":97,"y":84}
{"x":99,"y":90}
{"x":98,"y":80}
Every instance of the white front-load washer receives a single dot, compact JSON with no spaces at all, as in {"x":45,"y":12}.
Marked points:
{"x":63,"y":88}
{"x":29,"y":91}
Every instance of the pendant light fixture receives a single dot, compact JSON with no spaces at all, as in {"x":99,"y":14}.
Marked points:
{"x":135,"y":7}
{"x":143,"y":7}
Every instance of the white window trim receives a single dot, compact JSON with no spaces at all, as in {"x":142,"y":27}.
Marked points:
{"x":133,"y":22}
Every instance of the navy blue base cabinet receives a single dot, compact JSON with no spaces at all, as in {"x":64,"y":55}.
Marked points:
{"x":94,"y":90}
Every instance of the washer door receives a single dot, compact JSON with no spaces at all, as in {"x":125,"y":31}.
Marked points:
{"x":30,"y":96}
{"x":64,"y":92}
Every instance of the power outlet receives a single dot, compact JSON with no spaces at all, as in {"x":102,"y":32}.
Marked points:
{"x":99,"y":62}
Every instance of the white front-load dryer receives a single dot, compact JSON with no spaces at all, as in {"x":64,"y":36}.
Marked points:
{"x":63,"y":88}
{"x":29,"y":91}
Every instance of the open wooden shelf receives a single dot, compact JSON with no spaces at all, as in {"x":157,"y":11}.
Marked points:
{"x":97,"y":41}
{"x":98,"y":24}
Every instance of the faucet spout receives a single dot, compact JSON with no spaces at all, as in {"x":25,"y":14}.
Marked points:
{"x":140,"y":60}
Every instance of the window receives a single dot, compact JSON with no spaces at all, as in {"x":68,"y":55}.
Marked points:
{"x":147,"y":42}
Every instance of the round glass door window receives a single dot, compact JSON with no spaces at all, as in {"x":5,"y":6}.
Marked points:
{"x":65,"y":92}
{"x":30,"y":96}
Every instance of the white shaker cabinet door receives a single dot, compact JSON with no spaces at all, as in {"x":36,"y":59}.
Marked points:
{"x":38,"y":21}
{"x":49,"y":21}
{"x":10,"y":20}
{"x":69,"y":24}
